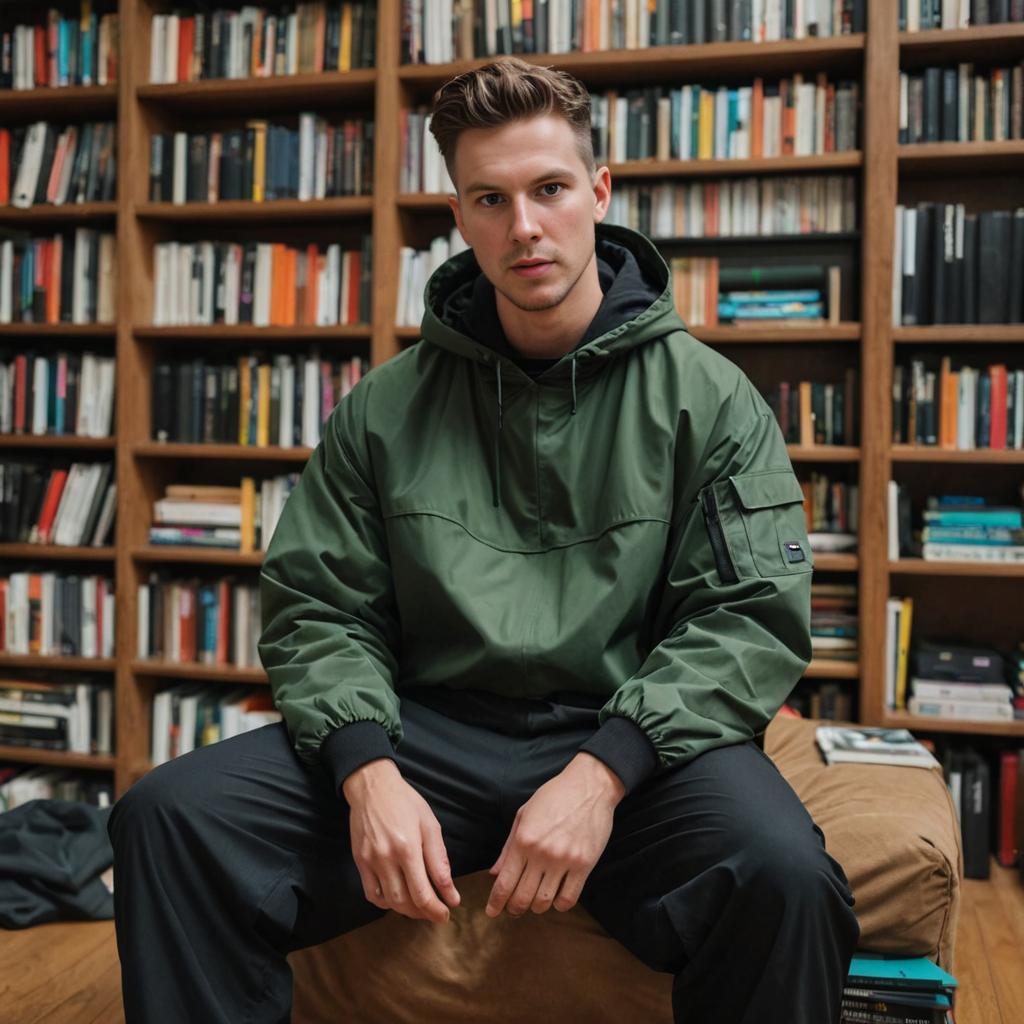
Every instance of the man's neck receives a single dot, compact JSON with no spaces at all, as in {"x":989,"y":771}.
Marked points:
{"x":550,"y":333}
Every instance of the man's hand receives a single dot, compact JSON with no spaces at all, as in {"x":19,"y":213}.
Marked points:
{"x":396,"y":843}
{"x":556,"y":840}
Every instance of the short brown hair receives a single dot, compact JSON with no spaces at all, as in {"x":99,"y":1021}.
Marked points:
{"x":508,"y":90}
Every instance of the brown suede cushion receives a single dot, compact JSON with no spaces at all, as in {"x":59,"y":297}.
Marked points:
{"x":892,"y":829}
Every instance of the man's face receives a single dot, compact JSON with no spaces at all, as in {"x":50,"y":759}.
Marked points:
{"x":525,"y":197}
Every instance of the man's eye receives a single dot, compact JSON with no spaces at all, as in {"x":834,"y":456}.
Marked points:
{"x":490,"y":195}
{"x":551,"y":185}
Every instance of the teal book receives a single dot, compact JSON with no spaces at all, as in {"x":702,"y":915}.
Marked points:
{"x":898,"y":973}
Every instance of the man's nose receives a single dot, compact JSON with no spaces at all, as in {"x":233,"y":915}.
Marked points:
{"x":525,"y":227}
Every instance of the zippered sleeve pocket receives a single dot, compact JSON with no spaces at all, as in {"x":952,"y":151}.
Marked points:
{"x":757,"y":525}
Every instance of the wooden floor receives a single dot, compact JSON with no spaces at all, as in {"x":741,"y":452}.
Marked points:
{"x":69,"y":973}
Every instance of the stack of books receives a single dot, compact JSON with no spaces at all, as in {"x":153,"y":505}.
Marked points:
{"x":753,"y":308}
{"x":973,"y":529}
{"x":890,"y":990}
{"x":960,"y":682}
{"x":834,"y":621}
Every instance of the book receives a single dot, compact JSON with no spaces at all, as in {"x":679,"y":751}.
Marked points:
{"x":917,"y":974}
{"x":872,"y":745}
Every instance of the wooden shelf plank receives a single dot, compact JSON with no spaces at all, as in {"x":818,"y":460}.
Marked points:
{"x":325,"y":88}
{"x":973,"y":456}
{"x":726,"y":334}
{"x":190,"y":670}
{"x":922,"y":723}
{"x":247,"y":332}
{"x":959,"y":157}
{"x":836,"y":562}
{"x":203,"y":556}
{"x":69,"y":102}
{"x":634,"y":169}
{"x":47,"y":214}
{"x":823,"y":668}
{"x":56,"y":758}
{"x":236,"y":452}
{"x":251,"y":212}
{"x":959,"y":334}
{"x":919,"y":567}
{"x":666,"y":63}
{"x":951,"y":45}
{"x":57,"y":552}
{"x":57,"y":662}
{"x":61,"y":330}
{"x":69,"y":441}
{"x":823,"y":453}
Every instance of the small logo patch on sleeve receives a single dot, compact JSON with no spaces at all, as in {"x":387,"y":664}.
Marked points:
{"x":794,"y":552}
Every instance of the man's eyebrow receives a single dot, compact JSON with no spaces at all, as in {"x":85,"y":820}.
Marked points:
{"x":557,"y":172}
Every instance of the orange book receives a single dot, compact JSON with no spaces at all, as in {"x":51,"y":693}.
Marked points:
{"x":54,"y":489}
{"x":706,"y":126}
{"x":248,"y":530}
{"x":757,"y":119}
{"x":711,"y":319}
{"x":263,"y":405}
{"x":52,"y":44}
{"x":319,"y":37}
{"x":35,"y":612}
{"x":58,"y":165}
{"x":244,"y":397}
{"x":806,"y":415}
{"x":830,"y":118}
{"x":787,"y":94}
{"x":312,"y":275}
{"x":223,"y":621}
{"x":997,"y":430}
{"x":947,"y":409}
{"x":53,"y":282}
{"x":345,"y":48}
{"x":254,"y":52}
{"x":291,"y":260}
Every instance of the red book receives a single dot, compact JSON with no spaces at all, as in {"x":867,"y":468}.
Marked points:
{"x":223,"y":621}
{"x":52,"y":42}
{"x":53,"y":492}
{"x":757,"y":119}
{"x":20,"y":392}
{"x":997,"y":432}
{"x":5,"y":166}
{"x":40,"y":61}
{"x":1007,"y":850}
{"x":186,"y":41}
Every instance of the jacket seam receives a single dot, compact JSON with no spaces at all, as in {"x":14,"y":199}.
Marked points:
{"x":528,"y":551}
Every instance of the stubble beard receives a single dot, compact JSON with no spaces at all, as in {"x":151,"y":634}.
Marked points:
{"x":537,"y":307}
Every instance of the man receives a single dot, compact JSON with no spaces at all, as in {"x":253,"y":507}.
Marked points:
{"x":540,"y":588}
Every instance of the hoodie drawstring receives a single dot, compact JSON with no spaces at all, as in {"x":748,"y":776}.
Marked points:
{"x":497,"y":448}
{"x":497,"y":435}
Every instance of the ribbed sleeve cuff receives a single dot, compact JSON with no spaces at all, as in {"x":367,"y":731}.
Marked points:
{"x":352,"y":746}
{"x":625,"y":748}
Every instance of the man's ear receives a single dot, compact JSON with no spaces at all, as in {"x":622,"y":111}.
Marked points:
{"x":602,"y":193}
{"x":453,"y":203}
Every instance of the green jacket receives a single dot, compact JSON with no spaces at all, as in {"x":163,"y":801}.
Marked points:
{"x":626,"y":526}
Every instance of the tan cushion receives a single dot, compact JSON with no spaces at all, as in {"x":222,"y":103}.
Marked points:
{"x":892,"y":829}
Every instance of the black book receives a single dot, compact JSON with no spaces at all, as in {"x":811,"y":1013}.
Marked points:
{"x":108,"y":176}
{"x":248,"y":162}
{"x":332,"y":39}
{"x":942,"y":250}
{"x":366,"y":279}
{"x":719,"y":21}
{"x":993,"y":253}
{"x":45,"y":165}
{"x":248,"y":277}
{"x":234,"y":405}
{"x":198,"y":168}
{"x":1015,"y":314}
{"x":698,"y":22}
{"x":67,"y":277}
{"x":923,"y":264}
{"x":540,"y":27}
{"x":222,"y":434}
{"x":92,"y":168}
{"x":950,"y":105}
{"x":164,"y":401}
{"x":231,"y":161}
{"x":183,"y":393}
{"x":969,"y":270}
{"x":32,"y":482}
{"x":954,"y":270}
{"x":983,"y":411}
{"x":975,"y":800}
{"x":156,"y":162}
{"x":932,"y":105}
{"x":211,"y":402}
{"x":196,"y":404}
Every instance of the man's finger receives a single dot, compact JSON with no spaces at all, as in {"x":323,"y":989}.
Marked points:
{"x":436,"y":857}
{"x":547,"y":891}
{"x":395,"y":894}
{"x":372,"y":888}
{"x":570,"y":890}
{"x":525,"y":892}
{"x":421,"y":892}
{"x":505,"y":883}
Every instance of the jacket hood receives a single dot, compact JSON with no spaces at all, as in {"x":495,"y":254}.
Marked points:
{"x":637,"y":307}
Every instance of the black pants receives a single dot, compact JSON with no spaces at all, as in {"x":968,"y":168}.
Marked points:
{"x":229,"y":858}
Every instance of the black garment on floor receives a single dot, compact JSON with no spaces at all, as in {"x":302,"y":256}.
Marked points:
{"x":232,"y":856}
{"x":52,"y":853}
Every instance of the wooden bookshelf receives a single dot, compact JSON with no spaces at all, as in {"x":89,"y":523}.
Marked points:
{"x":56,"y":552}
{"x":886,"y":172}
